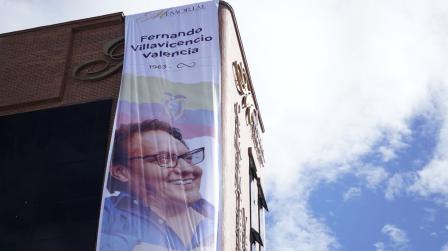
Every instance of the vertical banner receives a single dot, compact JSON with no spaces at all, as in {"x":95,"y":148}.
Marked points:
{"x":161,"y":190}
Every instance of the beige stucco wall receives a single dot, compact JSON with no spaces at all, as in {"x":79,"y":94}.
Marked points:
{"x":231,"y":50}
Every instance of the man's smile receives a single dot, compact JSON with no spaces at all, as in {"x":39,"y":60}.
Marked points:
{"x":181,"y":181}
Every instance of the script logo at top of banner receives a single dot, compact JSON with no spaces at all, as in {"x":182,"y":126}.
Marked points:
{"x":160,"y":44}
{"x":171,"y":12}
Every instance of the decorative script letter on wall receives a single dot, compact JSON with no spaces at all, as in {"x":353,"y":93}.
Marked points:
{"x":240,"y":219}
{"x":250,"y":111}
{"x":97,"y":69}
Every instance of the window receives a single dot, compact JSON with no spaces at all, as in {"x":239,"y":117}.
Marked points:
{"x":257,"y":206}
{"x":51,"y":176}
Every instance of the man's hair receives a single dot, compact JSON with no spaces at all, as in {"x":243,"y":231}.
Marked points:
{"x":123,"y":135}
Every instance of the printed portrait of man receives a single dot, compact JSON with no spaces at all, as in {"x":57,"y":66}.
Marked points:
{"x":159,"y":205}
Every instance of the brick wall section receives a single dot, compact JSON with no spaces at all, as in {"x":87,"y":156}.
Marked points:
{"x":36,"y":65}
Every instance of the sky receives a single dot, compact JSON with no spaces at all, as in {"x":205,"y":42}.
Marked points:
{"x":354,"y":97}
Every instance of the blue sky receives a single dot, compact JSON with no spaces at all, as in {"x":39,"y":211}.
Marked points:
{"x":354,"y":96}
{"x":378,"y":202}
{"x":357,"y":213}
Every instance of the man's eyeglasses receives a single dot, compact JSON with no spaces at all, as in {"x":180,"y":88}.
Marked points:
{"x":169,"y":160}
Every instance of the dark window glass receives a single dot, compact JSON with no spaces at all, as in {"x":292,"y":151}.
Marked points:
{"x":257,"y":203}
{"x":254,"y":208}
{"x":262,"y":228}
{"x":51,"y":173}
{"x":255,"y":238}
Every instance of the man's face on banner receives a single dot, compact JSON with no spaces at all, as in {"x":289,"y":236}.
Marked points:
{"x":179,"y":184}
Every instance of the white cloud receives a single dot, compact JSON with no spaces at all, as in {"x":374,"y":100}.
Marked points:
{"x":395,"y":186}
{"x":373,"y":175}
{"x":445,"y":247}
{"x":33,"y":13}
{"x":294,"y":223}
{"x":328,"y":111}
{"x":401,"y":184}
{"x":394,"y":143}
{"x":351,"y":193}
{"x":433,"y":179}
{"x":379,"y":246}
{"x":397,"y":236}
{"x":387,"y":153}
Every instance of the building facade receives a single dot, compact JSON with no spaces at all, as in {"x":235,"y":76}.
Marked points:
{"x":59,"y":86}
